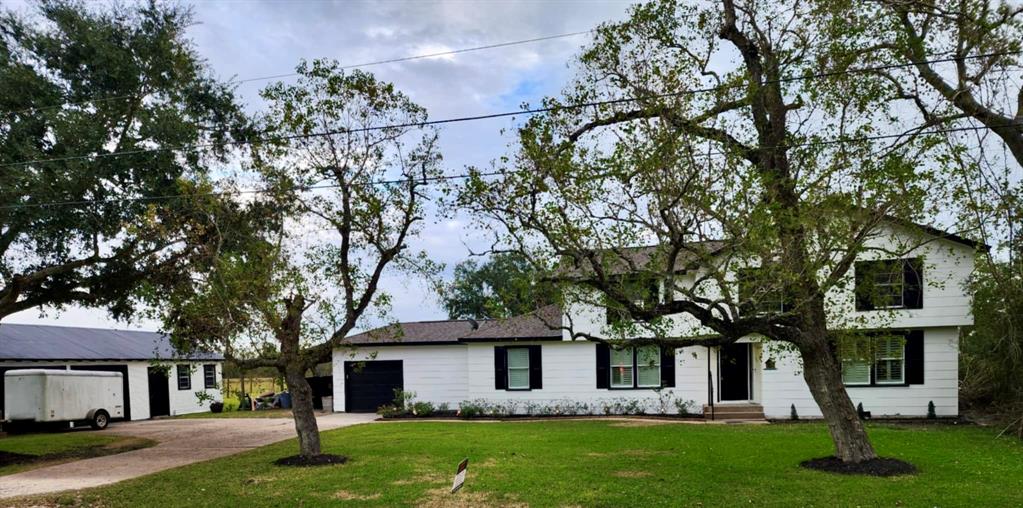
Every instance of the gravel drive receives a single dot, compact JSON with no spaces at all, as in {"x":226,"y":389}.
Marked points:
{"x":180,"y":442}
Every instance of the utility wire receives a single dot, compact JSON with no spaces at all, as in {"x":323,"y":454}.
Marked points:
{"x":531,"y":111}
{"x":434,"y":179}
{"x":352,"y":66}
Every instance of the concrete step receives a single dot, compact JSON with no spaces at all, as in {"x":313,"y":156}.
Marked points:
{"x":734,"y":412}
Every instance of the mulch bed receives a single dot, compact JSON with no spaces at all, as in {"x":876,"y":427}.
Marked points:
{"x":874,"y":467}
{"x":323,"y":459}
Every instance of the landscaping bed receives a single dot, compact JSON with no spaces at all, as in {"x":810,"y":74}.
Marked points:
{"x":30,"y":451}
{"x":590,"y":463}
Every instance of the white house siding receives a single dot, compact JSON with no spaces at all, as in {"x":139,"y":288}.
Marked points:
{"x":435,"y":373}
{"x":569,"y":372}
{"x":785,"y":386}
{"x":185,"y":401}
{"x":181,"y":402}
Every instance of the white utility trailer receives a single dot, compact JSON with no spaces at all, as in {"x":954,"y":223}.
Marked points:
{"x":76,"y":396}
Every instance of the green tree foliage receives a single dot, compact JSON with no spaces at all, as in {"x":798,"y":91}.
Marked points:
{"x":78,"y":83}
{"x":301,"y":264}
{"x":504,"y":285}
{"x":704,"y":153}
{"x":991,"y":352}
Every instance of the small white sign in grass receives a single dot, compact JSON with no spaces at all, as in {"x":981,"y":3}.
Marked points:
{"x":460,"y":475}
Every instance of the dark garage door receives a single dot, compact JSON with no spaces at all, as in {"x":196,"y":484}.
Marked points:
{"x":369,"y":385}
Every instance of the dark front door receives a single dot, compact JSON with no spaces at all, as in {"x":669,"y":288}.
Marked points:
{"x":369,"y":385}
{"x":159,"y":392}
{"x":123,"y":369}
{"x":734,"y":372}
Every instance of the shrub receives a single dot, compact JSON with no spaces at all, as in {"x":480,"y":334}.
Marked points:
{"x":684,"y":407}
{"x":422,"y":408}
{"x":390,"y":411}
{"x":793,"y":415}
{"x":472,"y":408}
{"x":231,"y":404}
{"x":444,"y":407}
{"x":931,"y":413}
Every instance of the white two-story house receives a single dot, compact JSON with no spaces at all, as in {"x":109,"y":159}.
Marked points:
{"x":531,"y":363}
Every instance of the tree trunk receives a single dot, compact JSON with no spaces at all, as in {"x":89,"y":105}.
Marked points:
{"x":302,"y":409}
{"x":289,"y":335}
{"x":824,"y":377}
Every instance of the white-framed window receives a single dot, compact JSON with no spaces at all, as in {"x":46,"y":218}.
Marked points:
{"x":648,"y":363}
{"x":622,"y":368}
{"x":636,"y":367}
{"x":889,"y":284}
{"x":209,"y":376}
{"x":885,"y":356}
{"x":856,"y":356}
{"x":518,"y":368}
{"x":890,"y":367}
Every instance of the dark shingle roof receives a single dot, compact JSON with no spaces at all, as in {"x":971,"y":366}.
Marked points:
{"x":527,"y":326}
{"x":417,"y":332}
{"x":535,"y":325}
{"x":41,"y":342}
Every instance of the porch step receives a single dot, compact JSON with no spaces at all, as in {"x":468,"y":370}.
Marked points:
{"x":734,"y":412}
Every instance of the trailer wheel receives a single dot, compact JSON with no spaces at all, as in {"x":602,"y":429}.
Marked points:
{"x":100,"y":419}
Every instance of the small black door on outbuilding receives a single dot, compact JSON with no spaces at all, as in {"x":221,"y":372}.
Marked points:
{"x":159,"y":392}
{"x":369,"y":385}
{"x":123,"y":369}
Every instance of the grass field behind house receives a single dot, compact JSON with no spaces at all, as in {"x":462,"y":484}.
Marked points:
{"x":56,"y":447}
{"x":591,"y":463}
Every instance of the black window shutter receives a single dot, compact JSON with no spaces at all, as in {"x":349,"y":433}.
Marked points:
{"x":500,"y":368}
{"x":915,"y":357}
{"x":862,"y":290}
{"x":913,"y":288}
{"x":535,"y":368}
{"x":603,"y":365}
{"x":667,"y":366}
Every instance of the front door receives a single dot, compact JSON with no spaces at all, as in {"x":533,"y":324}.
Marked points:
{"x":735,"y":377}
{"x":159,"y":392}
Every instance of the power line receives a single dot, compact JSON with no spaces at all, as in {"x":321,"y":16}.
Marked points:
{"x":434,"y":179}
{"x":429,"y":55}
{"x":532,"y":111}
{"x":352,"y":66}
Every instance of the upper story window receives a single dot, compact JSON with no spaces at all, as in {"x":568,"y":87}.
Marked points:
{"x":889,"y":284}
{"x":644,"y":292}
{"x":758,"y":294}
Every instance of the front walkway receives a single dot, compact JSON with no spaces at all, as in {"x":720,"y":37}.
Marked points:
{"x":180,"y":442}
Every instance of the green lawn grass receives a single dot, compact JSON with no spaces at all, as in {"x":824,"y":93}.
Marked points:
{"x":56,"y":447}
{"x":262,"y":413}
{"x":591,"y":463}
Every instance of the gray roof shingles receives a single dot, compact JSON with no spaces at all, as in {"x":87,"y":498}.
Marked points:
{"x":527,"y":326}
{"x":42,"y":342}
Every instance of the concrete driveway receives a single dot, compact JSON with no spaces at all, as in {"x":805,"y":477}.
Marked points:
{"x":180,"y":442}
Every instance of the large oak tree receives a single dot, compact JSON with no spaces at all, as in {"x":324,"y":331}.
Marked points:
{"x":720,"y":138}
{"x":93,"y":104}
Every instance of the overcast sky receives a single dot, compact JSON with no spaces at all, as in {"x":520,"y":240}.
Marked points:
{"x":250,"y":39}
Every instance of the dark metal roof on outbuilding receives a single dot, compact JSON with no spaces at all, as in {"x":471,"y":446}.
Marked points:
{"x":42,"y":342}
